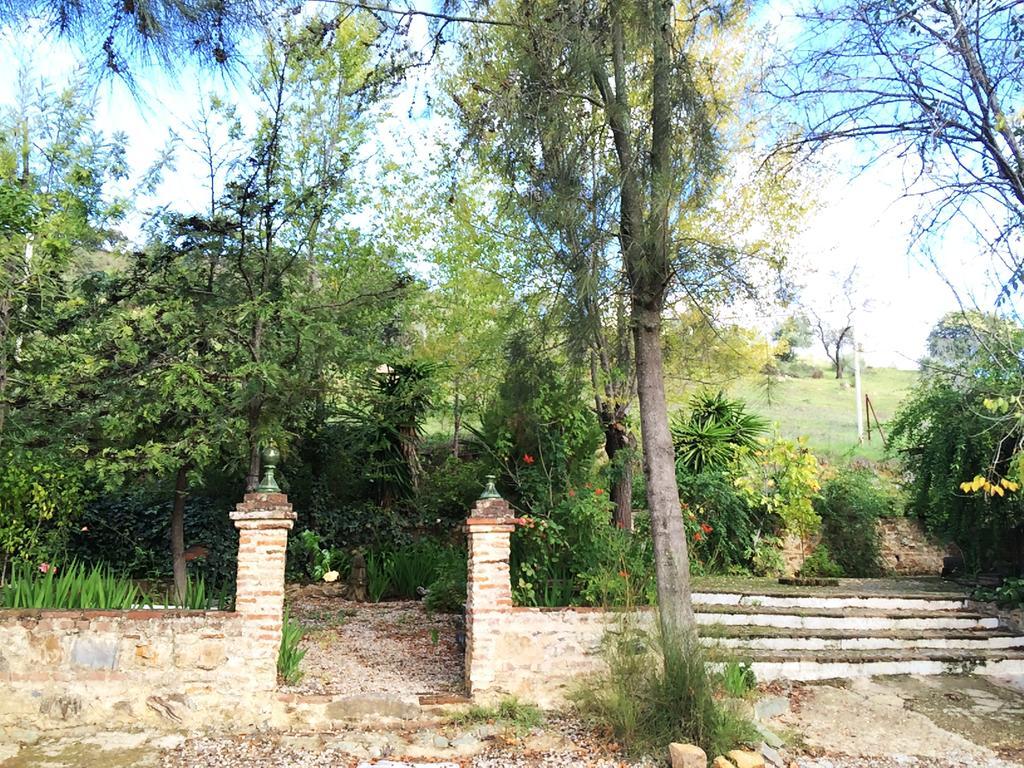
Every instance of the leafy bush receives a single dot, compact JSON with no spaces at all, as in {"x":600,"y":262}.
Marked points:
{"x":656,"y":692}
{"x":447,"y":592}
{"x":131,"y":533}
{"x":39,"y":500}
{"x":765,"y":555}
{"x":290,"y":656}
{"x":850,"y":505}
{"x":946,"y":435}
{"x":781,"y":481}
{"x":820,"y":563}
{"x":1010,"y":594}
{"x":720,"y":522}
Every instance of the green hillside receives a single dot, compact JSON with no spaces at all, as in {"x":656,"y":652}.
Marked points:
{"x":823,"y":410}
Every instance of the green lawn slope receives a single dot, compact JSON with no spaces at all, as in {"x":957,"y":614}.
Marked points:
{"x":824,"y":410}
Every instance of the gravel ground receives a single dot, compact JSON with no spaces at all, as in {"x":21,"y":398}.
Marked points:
{"x":394,"y":647}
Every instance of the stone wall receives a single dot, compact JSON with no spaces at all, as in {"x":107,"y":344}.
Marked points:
{"x":548,"y":651}
{"x":60,"y":669}
{"x":906,"y":549}
{"x":65,"y":668}
{"x":904,"y":546}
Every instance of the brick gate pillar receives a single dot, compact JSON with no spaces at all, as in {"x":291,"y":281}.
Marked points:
{"x":489,"y":587}
{"x":263,"y":520}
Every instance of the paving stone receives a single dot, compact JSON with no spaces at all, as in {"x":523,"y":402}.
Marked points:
{"x":771,"y":706}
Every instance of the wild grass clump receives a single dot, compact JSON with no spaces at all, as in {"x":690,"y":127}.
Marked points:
{"x":509,"y":712}
{"x":657,"y":691}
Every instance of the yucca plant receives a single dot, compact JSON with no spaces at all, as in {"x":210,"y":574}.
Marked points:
{"x":713,"y":432}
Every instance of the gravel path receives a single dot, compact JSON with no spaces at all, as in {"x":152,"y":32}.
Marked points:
{"x":394,"y":647}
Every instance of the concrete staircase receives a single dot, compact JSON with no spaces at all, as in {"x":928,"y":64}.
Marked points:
{"x":822,"y":634}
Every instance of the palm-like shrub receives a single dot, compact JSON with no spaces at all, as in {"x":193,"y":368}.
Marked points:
{"x":713,"y":432}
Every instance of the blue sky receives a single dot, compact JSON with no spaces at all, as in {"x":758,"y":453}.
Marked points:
{"x":862,"y":221}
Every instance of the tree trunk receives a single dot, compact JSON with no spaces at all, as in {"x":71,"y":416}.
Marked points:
{"x":457,"y":419}
{"x":616,"y":439}
{"x":178,"y":536}
{"x":670,"y":550}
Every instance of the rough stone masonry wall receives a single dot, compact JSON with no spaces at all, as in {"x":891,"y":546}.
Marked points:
{"x":907,"y":550}
{"x":904,"y":547}
{"x":65,"y":668}
{"x":60,"y":669}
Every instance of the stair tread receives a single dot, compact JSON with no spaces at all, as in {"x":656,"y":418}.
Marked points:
{"x":885,"y":654}
{"x":838,"y":613}
{"x":752,"y":632}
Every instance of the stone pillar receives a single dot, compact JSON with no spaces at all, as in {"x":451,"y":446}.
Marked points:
{"x":263,"y":520}
{"x":489,"y":589}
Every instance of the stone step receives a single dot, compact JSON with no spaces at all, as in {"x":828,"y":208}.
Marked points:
{"x":784,"y":639}
{"x":769,"y":599}
{"x":842,"y":618}
{"x":804,"y":665}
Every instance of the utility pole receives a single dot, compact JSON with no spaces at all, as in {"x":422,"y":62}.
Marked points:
{"x":856,"y":382}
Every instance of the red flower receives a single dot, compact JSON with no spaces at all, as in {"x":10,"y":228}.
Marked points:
{"x":706,"y":528}
{"x":624,"y":574}
{"x":599,"y":491}
{"x":697,"y":536}
{"x":527,"y":458}
{"x":572,"y":493}
{"x":45,"y":567}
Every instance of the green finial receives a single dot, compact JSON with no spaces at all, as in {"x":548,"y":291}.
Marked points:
{"x":490,"y":492}
{"x":269,"y":458}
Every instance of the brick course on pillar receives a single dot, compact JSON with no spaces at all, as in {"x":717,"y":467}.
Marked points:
{"x":489,"y":590}
{"x":263,"y":521}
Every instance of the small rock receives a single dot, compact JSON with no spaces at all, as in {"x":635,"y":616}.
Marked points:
{"x":721,"y":762}
{"x":772,"y":706}
{"x":744,"y":759}
{"x":440,"y":742}
{"x":687,"y":756}
{"x":8,"y":751}
{"x":772,"y":757}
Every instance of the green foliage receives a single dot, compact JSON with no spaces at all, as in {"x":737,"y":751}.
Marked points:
{"x":656,"y":692}
{"x":131,"y":533}
{"x":820,"y":563}
{"x":290,"y":656}
{"x":850,"y":505}
{"x":791,"y":334}
{"x":738,"y":678}
{"x":714,"y":433}
{"x":447,"y":592}
{"x":40,"y":498}
{"x":69,"y":587}
{"x":765,"y":556}
{"x":1010,"y":594}
{"x":782,"y":481}
{"x":509,"y":712}
{"x":946,"y":435}
{"x":719,"y":520}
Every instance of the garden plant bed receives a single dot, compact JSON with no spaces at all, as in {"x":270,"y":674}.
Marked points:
{"x":396,"y":648}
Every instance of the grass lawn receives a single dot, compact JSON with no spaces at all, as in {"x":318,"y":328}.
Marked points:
{"x":823,"y":411}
